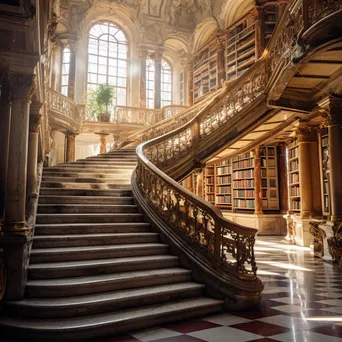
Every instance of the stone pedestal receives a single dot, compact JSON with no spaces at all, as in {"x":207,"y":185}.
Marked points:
{"x":70,"y":147}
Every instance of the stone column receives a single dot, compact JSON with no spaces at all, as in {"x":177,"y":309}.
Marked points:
{"x":257,"y":181}
{"x":221,"y":73}
{"x":142,"y":55}
{"x":190,"y":83}
{"x":70,"y":147}
{"x":157,"y":58}
{"x":32,"y":160}
{"x":333,"y":114}
{"x":23,"y":86}
{"x":282,"y":174}
{"x":308,"y":170}
{"x":103,"y":142}
{"x":5,"y":107}
{"x":72,"y":69}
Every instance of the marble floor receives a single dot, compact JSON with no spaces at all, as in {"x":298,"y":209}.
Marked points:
{"x":302,"y":302}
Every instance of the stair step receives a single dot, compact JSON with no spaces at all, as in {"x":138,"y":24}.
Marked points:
{"x":86,"y":174}
{"x":86,"y":192}
{"x":103,"y":302}
{"x":94,"y":166}
{"x":40,"y":255}
{"x":76,"y":286}
{"x":103,"y":266}
{"x":46,"y":241}
{"x":100,"y":170}
{"x":88,"y":218}
{"x":108,"y":323}
{"x":104,"y":161}
{"x":65,"y":185}
{"x":86,"y":208}
{"x":91,"y":228}
{"x":108,"y":200}
{"x":116,"y":179}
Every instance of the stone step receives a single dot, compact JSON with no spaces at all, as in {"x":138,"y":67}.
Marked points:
{"x":86,"y":208}
{"x":103,"y":162}
{"x":91,"y":228}
{"x":73,"y":240}
{"x":123,"y":156}
{"x":66,"y":329}
{"x":85,"y":174}
{"x":83,"y":268}
{"x":94,"y":166}
{"x":108,"y":200}
{"x":85,"y":170}
{"x":127,"y":192}
{"x":88,"y":218}
{"x":39,"y":255}
{"x":73,"y":185}
{"x":76,"y":286}
{"x":116,"y":179}
{"x":103,"y":302}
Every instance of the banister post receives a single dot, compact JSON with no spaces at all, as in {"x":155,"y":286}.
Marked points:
{"x":196,"y":132}
{"x":217,"y":244}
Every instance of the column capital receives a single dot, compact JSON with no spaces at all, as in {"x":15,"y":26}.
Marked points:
{"x":257,"y":152}
{"x":157,"y":56}
{"x":306,"y":133}
{"x":35,"y":122}
{"x":22,"y":86}
{"x":71,"y":135}
{"x":142,"y":53}
{"x":331,"y":110}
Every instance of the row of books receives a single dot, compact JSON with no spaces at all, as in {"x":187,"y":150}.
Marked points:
{"x":226,"y":199}
{"x":244,"y":183}
{"x":244,"y":203}
{"x":242,"y":164}
{"x":244,"y":193}
{"x":243,"y":174}
{"x":294,"y":165}
{"x":295,"y":191}
{"x":293,"y":153}
{"x":224,"y":180}
{"x":227,"y":189}
{"x":294,"y":178}
{"x":223,"y":170}
{"x":295,"y":205}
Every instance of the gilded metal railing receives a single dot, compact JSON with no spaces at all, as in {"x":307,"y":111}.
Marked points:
{"x":134,"y":115}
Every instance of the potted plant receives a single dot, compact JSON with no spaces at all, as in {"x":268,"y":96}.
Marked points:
{"x":99,"y":100}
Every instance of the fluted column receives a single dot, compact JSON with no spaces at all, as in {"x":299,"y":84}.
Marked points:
{"x":23,"y":86}
{"x":70,"y":147}
{"x":5,"y":108}
{"x":32,"y":160}
{"x":257,"y":181}
{"x":72,"y":70}
{"x":142,"y":55}
{"x":333,"y":116}
{"x":157,"y":58}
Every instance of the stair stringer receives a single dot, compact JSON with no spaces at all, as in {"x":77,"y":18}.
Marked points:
{"x":237,"y":293}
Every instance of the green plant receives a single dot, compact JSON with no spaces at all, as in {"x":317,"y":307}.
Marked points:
{"x":99,"y":100}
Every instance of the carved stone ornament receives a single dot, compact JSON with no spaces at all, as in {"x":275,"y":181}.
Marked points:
{"x":142,"y":53}
{"x":35,"y":122}
{"x":306,"y":134}
{"x":22,"y":86}
{"x":332,"y":112}
{"x":157,"y":56}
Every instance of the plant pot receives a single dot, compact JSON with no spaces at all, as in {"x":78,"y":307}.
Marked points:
{"x":103,"y":117}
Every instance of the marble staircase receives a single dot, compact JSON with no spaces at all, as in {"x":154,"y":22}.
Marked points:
{"x":96,"y":267}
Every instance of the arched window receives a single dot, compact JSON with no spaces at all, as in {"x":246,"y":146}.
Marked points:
{"x":166,"y":84}
{"x":65,"y":70}
{"x":149,"y":83}
{"x":107,"y":59}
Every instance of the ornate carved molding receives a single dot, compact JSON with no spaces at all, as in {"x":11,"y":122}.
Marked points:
{"x":142,"y":53}
{"x":306,"y":134}
{"x":331,"y":109}
{"x":322,"y":8}
{"x":35,"y":122}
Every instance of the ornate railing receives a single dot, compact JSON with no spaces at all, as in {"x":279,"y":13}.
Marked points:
{"x":65,"y":106}
{"x":322,"y":8}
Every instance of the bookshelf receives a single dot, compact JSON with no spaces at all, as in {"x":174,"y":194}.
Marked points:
{"x":240,"y":47}
{"x":243,"y":182}
{"x":270,"y":11}
{"x":205,"y":77}
{"x":324,"y":181}
{"x":209,"y":184}
{"x":293,"y":169}
{"x":269,"y":178}
{"x":223,"y":187}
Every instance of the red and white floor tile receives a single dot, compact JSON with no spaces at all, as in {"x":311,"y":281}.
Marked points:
{"x":302,"y":302}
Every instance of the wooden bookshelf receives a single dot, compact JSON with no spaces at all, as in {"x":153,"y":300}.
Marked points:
{"x":205,"y":76}
{"x":223,"y":187}
{"x":209,"y":184}
{"x":324,"y":142}
{"x":270,"y":17}
{"x":294,"y":185}
{"x":269,"y":178}
{"x":243,"y":182}
{"x":240,"y":47}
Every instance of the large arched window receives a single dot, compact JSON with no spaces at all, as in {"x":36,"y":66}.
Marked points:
{"x":65,"y":70}
{"x":166,"y":83}
{"x":107,"y":59}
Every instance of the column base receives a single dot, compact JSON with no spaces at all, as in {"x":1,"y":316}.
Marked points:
{"x":14,"y":227}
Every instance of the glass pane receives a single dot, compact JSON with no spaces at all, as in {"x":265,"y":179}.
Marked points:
{"x":92,"y":68}
{"x":113,"y":62}
{"x":92,"y":59}
{"x":102,"y":69}
{"x":112,"y":80}
{"x":92,"y":78}
{"x":112,"y":71}
{"x":121,"y":96}
{"x":122,"y":72}
{"x":102,"y":79}
{"x":65,"y":79}
{"x":102,"y":60}
{"x":121,"y":82}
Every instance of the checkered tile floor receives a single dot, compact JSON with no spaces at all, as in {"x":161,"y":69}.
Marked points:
{"x":302,"y":302}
